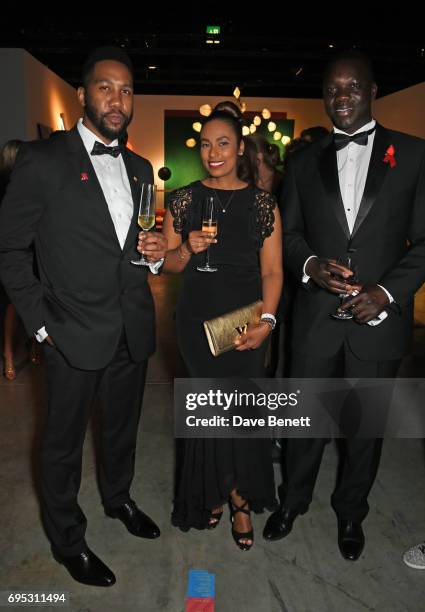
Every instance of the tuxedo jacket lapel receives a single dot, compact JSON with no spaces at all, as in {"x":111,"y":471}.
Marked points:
{"x":329,"y":172}
{"x":375,"y":177}
{"x":89,"y":184}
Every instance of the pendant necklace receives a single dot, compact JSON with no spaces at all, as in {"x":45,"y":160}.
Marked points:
{"x":224,"y":208}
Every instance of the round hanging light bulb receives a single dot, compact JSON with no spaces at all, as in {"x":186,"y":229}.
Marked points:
{"x":271,"y":126}
{"x":191,"y":142}
{"x":252,"y":128}
{"x":245,"y":131}
{"x":257,"y":120}
{"x":243,"y":107}
{"x":205,"y":110}
{"x":266,"y":113}
{"x":197,"y":126}
{"x":277,"y":136}
{"x":286,"y":140}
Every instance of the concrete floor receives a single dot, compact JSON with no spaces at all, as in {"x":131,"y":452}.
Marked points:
{"x":303,"y":572}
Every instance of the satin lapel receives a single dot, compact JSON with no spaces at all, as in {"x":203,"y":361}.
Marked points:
{"x":375,"y":176}
{"x":135,"y":192}
{"x":89,"y":184}
{"x":329,"y":172}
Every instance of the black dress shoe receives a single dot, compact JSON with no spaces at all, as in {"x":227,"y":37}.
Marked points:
{"x":136,"y":521}
{"x":87,"y":569}
{"x":350,"y":539}
{"x":279,"y":524}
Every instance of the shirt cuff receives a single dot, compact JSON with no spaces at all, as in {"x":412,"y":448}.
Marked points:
{"x":381,"y":317}
{"x":41,"y":334}
{"x":154,"y":267}
{"x":306,"y":277}
{"x":390,"y":297}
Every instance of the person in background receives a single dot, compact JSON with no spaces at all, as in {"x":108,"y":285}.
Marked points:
{"x":8,"y":156}
{"x":313,"y":134}
{"x":268,"y":176}
{"x":296,"y":144}
{"x":290,"y":283}
{"x":265,"y":158}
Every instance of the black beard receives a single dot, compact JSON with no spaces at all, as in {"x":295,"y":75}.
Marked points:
{"x":99,"y":123}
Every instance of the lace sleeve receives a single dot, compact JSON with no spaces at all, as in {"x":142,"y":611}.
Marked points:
{"x":264,"y":206}
{"x":180,"y":201}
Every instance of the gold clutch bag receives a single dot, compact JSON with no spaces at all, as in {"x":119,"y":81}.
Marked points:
{"x":222,"y":331}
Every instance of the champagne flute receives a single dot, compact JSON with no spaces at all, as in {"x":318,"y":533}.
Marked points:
{"x":146,"y":216}
{"x":347,"y":262}
{"x":209,"y":225}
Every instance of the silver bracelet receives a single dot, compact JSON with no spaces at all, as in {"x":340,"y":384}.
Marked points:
{"x":269,"y":318}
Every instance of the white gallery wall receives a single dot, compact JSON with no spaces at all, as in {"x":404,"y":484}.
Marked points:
{"x":34,"y":94}
{"x":404,"y":110}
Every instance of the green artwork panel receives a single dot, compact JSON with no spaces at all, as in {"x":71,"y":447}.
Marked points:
{"x":184,"y":163}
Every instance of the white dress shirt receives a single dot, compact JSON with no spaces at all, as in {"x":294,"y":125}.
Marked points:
{"x":113,"y":178}
{"x":353,"y":165}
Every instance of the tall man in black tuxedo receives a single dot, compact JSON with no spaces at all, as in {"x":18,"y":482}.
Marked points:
{"x":360,"y":191}
{"x":75,"y":197}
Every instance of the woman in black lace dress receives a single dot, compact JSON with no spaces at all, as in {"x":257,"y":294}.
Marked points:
{"x":247,"y":254}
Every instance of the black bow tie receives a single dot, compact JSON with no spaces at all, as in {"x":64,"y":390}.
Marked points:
{"x":342,"y":140}
{"x":100,"y":149}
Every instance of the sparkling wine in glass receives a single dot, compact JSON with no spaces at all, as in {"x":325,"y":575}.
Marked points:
{"x":209,"y":225}
{"x":347,"y":262}
{"x":146,"y":215}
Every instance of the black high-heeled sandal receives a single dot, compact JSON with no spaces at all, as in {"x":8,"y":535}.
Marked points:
{"x":215,"y":517}
{"x":238,"y":536}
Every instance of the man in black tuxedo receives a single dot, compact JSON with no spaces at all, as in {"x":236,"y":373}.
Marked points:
{"x":75,"y":197}
{"x":358,"y":192}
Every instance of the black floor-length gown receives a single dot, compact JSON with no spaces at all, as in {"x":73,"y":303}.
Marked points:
{"x":210,"y":468}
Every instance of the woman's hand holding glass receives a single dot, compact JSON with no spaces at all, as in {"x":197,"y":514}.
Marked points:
{"x":199,"y":241}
